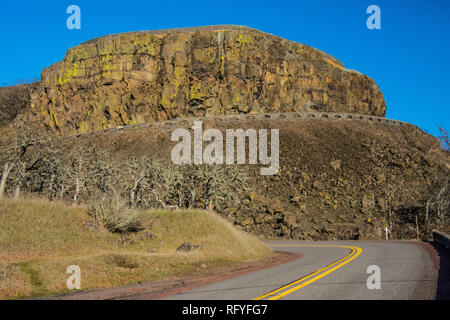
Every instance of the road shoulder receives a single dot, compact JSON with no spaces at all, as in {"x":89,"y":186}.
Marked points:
{"x":162,"y":288}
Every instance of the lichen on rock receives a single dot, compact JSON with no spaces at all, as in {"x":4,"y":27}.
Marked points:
{"x":147,"y":76}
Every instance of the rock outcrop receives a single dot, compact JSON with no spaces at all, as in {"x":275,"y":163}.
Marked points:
{"x":148,"y":76}
{"x":14,"y":100}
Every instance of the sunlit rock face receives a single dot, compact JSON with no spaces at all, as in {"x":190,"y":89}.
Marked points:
{"x":148,"y":76}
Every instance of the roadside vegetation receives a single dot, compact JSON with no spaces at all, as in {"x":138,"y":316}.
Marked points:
{"x":39,"y":239}
{"x":85,"y":172}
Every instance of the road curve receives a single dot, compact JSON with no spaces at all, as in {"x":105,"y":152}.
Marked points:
{"x":332,"y":270}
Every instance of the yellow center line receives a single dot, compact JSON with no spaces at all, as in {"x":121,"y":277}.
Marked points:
{"x":355,"y":251}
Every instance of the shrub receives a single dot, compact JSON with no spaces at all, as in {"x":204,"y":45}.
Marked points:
{"x":113,"y":214}
{"x":444,"y":138}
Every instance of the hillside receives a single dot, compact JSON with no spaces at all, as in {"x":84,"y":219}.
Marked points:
{"x":40,"y":239}
{"x":338,"y":178}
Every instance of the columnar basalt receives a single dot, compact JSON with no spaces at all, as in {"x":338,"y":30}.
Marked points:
{"x":147,"y":76}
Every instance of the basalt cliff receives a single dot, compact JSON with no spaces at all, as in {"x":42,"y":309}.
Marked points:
{"x":147,"y":76}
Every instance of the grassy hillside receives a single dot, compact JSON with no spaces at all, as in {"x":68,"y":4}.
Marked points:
{"x":40,"y":239}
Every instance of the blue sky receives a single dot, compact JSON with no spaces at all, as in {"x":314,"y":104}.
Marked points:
{"x":409,"y":57}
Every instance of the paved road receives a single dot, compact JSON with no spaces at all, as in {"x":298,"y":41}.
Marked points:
{"x":333,"y":270}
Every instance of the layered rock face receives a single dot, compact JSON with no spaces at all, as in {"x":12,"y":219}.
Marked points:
{"x":156,"y":75}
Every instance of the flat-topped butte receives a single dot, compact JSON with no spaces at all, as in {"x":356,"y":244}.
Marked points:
{"x":147,"y":76}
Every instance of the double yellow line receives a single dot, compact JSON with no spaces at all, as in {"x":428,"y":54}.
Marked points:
{"x":300,"y":283}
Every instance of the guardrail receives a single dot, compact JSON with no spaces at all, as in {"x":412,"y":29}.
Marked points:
{"x":289,"y":116}
{"x":258,"y":116}
{"x":442,"y":238}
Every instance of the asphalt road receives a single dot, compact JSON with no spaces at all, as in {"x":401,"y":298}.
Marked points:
{"x":333,"y":270}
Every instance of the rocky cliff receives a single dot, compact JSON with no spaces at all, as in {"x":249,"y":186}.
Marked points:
{"x":148,"y":76}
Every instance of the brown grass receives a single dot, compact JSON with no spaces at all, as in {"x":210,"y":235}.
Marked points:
{"x":40,"y":239}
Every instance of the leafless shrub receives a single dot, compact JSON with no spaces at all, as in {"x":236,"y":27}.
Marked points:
{"x":113,"y":214}
{"x":85,"y":172}
{"x":148,"y":182}
{"x":440,"y":199}
{"x":444,"y":138}
{"x":12,"y":158}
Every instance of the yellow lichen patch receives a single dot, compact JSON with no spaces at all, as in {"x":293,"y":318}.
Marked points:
{"x":165,"y":101}
{"x":132,"y":120}
{"x":67,"y":75}
{"x":196,"y":92}
{"x":145,"y":44}
{"x":104,"y":123}
{"x":303,"y":50}
{"x":179,"y":74}
{"x":222,"y":65}
{"x":300,"y":49}
{"x":74,"y":70}
{"x":243,"y":40}
{"x":106,"y":67}
{"x":68,"y":71}
{"x":83,"y":126}
{"x":78,"y":53}
{"x":93,"y":110}
{"x":53,"y":119}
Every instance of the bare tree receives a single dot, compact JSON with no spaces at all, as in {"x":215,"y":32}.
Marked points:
{"x":49,"y":171}
{"x":7,"y":167}
{"x":11,"y":156}
{"x":444,"y":138}
{"x":20,"y":175}
{"x":133,"y":179}
{"x":76,"y":170}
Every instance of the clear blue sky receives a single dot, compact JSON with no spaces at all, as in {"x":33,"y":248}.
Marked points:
{"x":409,"y":57}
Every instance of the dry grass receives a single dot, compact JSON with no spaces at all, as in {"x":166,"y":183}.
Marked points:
{"x":40,"y":239}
